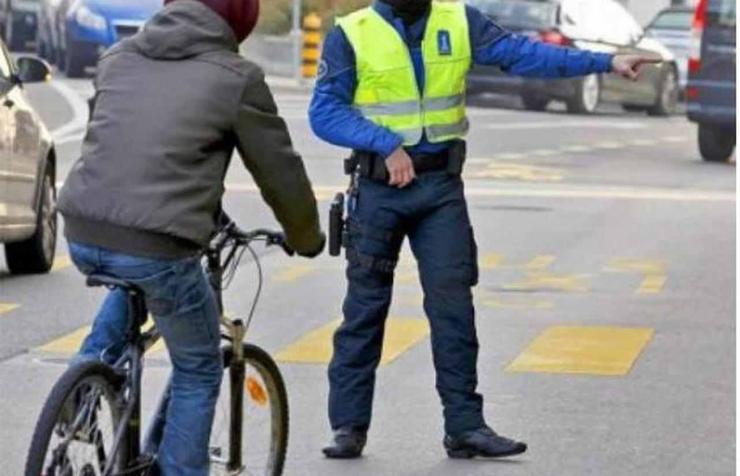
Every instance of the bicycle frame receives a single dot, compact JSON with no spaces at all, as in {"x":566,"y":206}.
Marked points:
{"x":127,"y":438}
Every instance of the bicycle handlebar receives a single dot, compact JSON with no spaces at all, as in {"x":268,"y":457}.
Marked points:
{"x":231,"y":231}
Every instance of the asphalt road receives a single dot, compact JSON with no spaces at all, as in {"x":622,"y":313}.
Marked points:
{"x":606,"y":308}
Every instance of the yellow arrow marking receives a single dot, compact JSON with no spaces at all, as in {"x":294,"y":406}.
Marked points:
{"x":654,"y":272}
{"x":294,"y":273}
{"x":510,"y":171}
{"x":541,"y":280}
{"x":61,"y":262}
{"x":7,"y":307}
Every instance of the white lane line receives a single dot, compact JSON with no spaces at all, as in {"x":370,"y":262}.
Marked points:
{"x":590,"y":192}
{"x":608,"y":145}
{"x":563,"y":124}
{"x":80,"y":111}
{"x":576,"y":148}
{"x":643,"y":142}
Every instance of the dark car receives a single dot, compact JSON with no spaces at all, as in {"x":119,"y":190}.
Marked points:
{"x":597,"y":25}
{"x":28,"y":223}
{"x":18,"y":22}
{"x":672,"y":27}
{"x":710,"y":95}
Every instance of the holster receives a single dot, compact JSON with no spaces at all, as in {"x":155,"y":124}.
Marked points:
{"x":337,"y":225}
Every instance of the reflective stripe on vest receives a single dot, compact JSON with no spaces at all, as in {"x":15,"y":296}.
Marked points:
{"x":387,"y":92}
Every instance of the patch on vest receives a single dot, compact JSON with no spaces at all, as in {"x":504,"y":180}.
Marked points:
{"x":444,"y":44}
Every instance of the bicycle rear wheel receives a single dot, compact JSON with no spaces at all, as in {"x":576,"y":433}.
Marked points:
{"x":264,"y":425}
{"x":76,"y":429}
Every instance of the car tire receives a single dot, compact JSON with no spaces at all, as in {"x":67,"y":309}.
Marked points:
{"x":36,"y":254}
{"x":587,"y":95}
{"x":74,"y":64}
{"x":716,"y":143}
{"x":534,"y":103}
{"x":667,"y":100}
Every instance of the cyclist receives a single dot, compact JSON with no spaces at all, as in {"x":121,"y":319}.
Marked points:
{"x":171,"y":104}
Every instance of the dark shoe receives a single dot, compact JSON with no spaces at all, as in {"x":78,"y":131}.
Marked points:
{"x":347,"y":443}
{"x":482,"y":442}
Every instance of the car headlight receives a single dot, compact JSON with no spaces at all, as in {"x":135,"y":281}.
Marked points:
{"x":87,"y":18}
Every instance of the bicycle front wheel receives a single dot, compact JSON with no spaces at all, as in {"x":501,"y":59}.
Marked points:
{"x":250,"y":428}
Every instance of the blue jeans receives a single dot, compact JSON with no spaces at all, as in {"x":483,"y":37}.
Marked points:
{"x":186,"y":315}
{"x":433,"y":213}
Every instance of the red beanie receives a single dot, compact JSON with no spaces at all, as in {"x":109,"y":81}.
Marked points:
{"x":241,"y":15}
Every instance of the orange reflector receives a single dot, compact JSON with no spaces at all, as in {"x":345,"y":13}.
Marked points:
{"x":256,"y":391}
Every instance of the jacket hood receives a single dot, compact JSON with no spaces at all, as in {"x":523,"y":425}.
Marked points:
{"x":184,"y":29}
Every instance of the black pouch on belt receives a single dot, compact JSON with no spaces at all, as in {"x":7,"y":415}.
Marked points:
{"x":456,"y":160}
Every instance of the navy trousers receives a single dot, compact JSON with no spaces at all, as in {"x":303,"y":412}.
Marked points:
{"x":433,"y":213}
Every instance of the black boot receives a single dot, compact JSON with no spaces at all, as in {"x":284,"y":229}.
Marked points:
{"x":482,"y":442}
{"x":347,"y":443}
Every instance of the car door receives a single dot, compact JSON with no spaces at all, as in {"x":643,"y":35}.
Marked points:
{"x":10,"y":216}
{"x":24,"y":135}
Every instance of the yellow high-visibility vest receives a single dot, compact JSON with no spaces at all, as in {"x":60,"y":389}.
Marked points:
{"x":387,"y":92}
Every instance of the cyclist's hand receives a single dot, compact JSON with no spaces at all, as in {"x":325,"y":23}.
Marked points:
{"x":400,"y":167}
{"x":280,"y":240}
{"x":317,"y":251}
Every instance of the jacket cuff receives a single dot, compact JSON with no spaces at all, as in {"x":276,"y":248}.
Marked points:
{"x":389,"y":146}
{"x":603,"y":62}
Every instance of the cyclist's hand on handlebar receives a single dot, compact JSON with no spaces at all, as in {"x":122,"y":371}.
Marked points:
{"x":317,"y":251}
{"x":280,"y":240}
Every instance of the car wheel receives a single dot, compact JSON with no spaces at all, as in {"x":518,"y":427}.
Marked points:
{"x":74,"y":64}
{"x":587,"y":96}
{"x":534,"y":103}
{"x":667,"y":99}
{"x":36,"y":254}
{"x":716,"y":143}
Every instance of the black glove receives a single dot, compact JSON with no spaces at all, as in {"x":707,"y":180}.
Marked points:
{"x":318,"y":250}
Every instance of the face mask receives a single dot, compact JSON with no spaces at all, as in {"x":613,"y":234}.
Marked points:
{"x":410,"y":10}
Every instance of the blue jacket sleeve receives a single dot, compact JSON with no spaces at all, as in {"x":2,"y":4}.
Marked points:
{"x":332,"y":116}
{"x":518,"y":55}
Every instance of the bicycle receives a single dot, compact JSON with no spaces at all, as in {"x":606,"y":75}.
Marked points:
{"x":89,"y":425}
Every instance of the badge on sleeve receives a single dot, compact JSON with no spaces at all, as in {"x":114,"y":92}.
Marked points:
{"x":444,"y":44}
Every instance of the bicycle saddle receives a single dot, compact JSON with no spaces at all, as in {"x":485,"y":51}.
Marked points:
{"x":95,"y":280}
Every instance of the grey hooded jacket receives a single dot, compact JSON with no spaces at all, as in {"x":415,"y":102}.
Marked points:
{"x":171,"y":105}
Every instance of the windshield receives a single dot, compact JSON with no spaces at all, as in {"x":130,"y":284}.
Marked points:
{"x":517,"y":13}
{"x":673,"y":20}
{"x":722,"y":13}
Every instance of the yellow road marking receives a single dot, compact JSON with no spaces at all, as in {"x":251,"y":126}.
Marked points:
{"x":7,"y":307}
{"x":541,"y":280}
{"x":294,"y":273}
{"x":653,"y":271}
{"x":407,"y":277}
{"x":70,"y":343}
{"x":495,"y":260}
{"x":608,"y":145}
{"x":583,"y":350}
{"x":316,"y":347}
{"x":516,"y":304}
{"x":61,"y":262}
{"x":515,"y":171}
{"x":576,"y":148}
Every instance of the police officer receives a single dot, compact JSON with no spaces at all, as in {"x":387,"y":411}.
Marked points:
{"x":391,"y":87}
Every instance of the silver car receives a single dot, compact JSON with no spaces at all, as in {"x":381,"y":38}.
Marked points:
{"x":28,"y":222}
{"x":672,"y":27}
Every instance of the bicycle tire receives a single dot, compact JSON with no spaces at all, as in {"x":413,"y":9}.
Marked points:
{"x":72,"y":378}
{"x":278,"y":399}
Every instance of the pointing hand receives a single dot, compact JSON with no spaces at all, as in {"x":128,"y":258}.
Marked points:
{"x":629,"y":66}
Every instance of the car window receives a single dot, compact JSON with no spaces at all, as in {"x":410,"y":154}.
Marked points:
{"x":517,"y":13}
{"x":722,"y":13}
{"x":673,"y":20}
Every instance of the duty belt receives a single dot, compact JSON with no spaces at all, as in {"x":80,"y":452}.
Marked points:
{"x":372,"y":166}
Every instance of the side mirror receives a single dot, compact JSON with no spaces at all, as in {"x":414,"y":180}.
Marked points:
{"x":32,"y":70}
